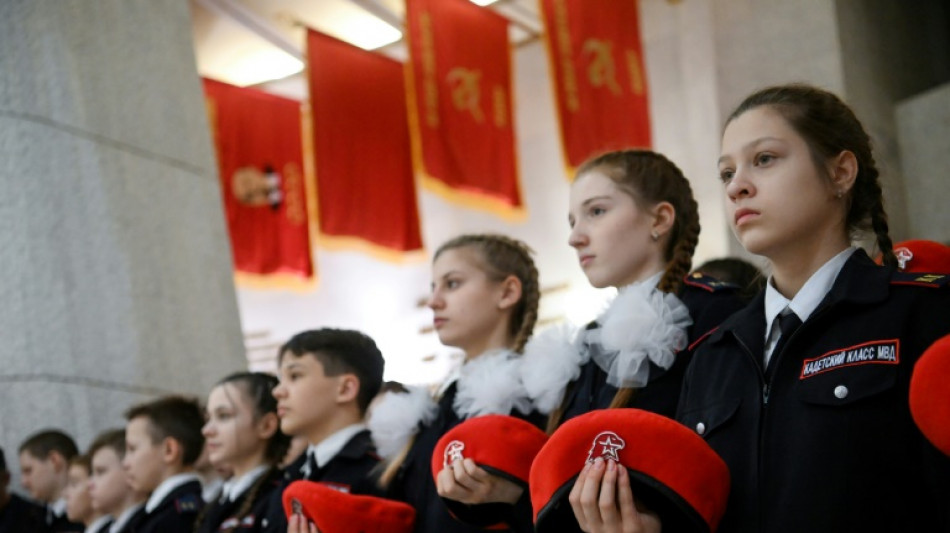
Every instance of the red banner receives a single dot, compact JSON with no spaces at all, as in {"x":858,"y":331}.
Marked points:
{"x":599,"y":77}
{"x":361,"y":145}
{"x":257,"y":138}
{"x":460,"y":106}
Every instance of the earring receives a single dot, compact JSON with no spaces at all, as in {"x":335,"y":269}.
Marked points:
{"x":655,"y":235}
{"x":839,"y":194}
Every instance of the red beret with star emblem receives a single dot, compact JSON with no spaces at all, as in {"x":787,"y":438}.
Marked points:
{"x":673,"y":472}
{"x":929,"y":401}
{"x":502,"y":445}
{"x":334,"y":511}
{"x":922,"y":256}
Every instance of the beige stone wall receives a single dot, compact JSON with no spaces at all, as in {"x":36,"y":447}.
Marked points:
{"x":923,"y":125}
{"x":116,"y":280}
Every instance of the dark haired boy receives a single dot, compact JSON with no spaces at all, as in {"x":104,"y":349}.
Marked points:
{"x":16,"y":513}
{"x":44,"y":473}
{"x":109,"y":488}
{"x":162,"y":442}
{"x":327,"y":379}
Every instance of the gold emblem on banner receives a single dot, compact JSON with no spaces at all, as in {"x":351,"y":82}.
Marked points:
{"x":602,"y":71}
{"x":563,"y":36}
{"x":500,"y":105}
{"x":430,"y":87}
{"x":636,"y":73}
{"x":296,"y":207}
{"x":250,"y":187}
{"x":466,"y":91}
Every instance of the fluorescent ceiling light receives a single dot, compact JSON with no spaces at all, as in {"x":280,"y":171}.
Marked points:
{"x":367,"y":32}
{"x":258,"y":66}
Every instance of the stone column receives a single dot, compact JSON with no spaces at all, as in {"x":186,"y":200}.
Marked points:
{"x":116,"y":279}
{"x":923,"y":122}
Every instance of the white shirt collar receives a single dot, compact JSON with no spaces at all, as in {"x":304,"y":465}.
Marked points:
{"x":96,"y":526}
{"x":124,"y":518}
{"x":212,"y":489}
{"x":166,"y":487}
{"x":234,"y":488}
{"x":806,"y":300}
{"x":58,"y":507}
{"x":327,"y":449}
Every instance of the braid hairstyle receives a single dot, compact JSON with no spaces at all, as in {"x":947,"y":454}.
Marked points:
{"x":651,"y":178}
{"x":499,"y":257}
{"x":250,"y":496}
{"x":257,"y":387}
{"x":830,"y":127}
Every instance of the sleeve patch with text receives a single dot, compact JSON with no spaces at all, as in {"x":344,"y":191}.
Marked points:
{"x":874,"y":352}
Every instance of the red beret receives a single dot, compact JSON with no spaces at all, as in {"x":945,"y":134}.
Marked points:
{"x":929,"y":401}
{"x":922,"y":256}
{"x":502,"y":445}
{"x":334,"y":511}
{"x":672,"y":470}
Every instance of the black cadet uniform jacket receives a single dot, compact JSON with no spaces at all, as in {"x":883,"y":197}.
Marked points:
{"x":352,"y":469}
{"x":21,"y":515}
{"x":60,"y":523}
{"x":709,"y":302}
{"x":265,"y":514}
{"x":415,"y":485}
{"x":824,"y":441}
{"x":176,"y":512}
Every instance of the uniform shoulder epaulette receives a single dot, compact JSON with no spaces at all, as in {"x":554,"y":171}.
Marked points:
{"x":708,"y":283}
{"x":920,"y":279}
{"x":187,"y":504}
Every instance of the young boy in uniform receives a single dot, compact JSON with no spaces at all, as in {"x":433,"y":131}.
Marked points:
{"x":327,"y":379}
{"x":16,"y":513}
{"x":109,"y":488}
{"x":44,"y":472}
{"x":162,"y":442}
{"x":79,"y":507}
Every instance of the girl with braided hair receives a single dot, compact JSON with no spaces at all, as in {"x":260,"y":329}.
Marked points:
{"x":635,"y":225}
{"x":243,"y":435}
{"x":485,"y":302}
{"x":804,"y":392}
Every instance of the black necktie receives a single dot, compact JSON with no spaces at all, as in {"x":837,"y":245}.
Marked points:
{"x":787,"y":324}
{"x":310,"y":468}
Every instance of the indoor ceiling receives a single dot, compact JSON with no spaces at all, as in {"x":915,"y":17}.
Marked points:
{"x":261,"y":42}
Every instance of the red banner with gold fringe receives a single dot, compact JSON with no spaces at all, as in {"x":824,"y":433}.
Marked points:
{"x":365,"y":187}
{"x":597,"y":66}
{"x":257,"y":138}
{"x":461,"y":104}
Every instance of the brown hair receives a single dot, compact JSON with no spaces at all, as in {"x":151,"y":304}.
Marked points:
{"x":45,"y":442}
{"x":82,"y":460}
{"x":111,"y":438}
{"x":830,"y":127}
{"x":500,"y":257}
{"x":342,"y":351}
{"x":175,"y":417}
{"x":651,"y":178}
